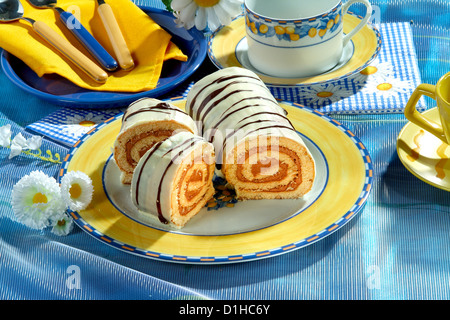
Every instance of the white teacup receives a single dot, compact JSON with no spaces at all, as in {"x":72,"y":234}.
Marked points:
{"x":297,"y":38}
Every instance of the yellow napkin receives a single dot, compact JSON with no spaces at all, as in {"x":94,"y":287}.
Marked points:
{"x":149,"y":44}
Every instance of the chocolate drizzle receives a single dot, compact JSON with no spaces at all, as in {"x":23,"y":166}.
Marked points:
{"x":216,"y":92}
{"x":261,"y":101}
{"x":158,"y":197}
{"x":184,"y":146}
{"x":161,"y":107}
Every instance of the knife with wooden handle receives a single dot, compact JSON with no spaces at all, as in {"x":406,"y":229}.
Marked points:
{"x":115,"y":35}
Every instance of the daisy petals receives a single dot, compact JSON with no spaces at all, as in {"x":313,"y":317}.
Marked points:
{"x":200,"y":19}
{"x":222,"y":15}
{"x":35,"y":199}
{"x":213,"y":21}
{"x":62,"y":225}
{"x":188,"y":14}
{"x":76,"y":190}
{"x":203,"y":15}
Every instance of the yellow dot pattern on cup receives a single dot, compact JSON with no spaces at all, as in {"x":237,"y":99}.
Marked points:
{"x":279,"y":30}
{"x":322,"y":32}
{"x":295,"y":30}
{"x":337,"y":19}
{"x":330,"y":23}
{"x":290,"y":30}
{"x":253,"y":28}
{"x":263,"y":28}
{"x":294,"y":36}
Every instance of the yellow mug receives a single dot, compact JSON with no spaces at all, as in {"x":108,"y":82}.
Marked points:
{"x":439,"y":92}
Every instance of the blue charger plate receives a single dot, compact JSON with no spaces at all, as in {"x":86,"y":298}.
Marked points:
{"x":58,"y":90}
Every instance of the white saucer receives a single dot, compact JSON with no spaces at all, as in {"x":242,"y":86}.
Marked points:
{"x":242,"y":57}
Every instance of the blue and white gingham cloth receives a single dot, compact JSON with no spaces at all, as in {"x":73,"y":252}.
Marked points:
{"x":67,"y":125}
{"x":396,"y":69}
{"x":394,"y":76}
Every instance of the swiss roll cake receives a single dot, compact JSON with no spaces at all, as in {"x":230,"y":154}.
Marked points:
{"x":173,"y":180}
{"x":258,"y":151}
{"x":146,"y":122}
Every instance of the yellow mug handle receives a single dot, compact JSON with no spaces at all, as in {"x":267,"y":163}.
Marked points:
{"x":417,"y":118}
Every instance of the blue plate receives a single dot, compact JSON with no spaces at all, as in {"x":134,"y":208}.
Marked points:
{"x":60,"y":91}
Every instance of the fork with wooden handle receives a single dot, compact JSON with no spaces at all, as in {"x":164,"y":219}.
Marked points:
{"x":115,"y":35}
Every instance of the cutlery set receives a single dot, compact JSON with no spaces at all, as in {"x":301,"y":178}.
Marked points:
{"x":12,"y":10}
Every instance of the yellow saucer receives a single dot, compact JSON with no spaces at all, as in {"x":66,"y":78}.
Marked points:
{"x":227,"y":48}
{"x":424,"y":155}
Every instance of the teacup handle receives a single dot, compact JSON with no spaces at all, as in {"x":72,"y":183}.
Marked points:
{"x":363,"y":22}
{"x":417,"y":118}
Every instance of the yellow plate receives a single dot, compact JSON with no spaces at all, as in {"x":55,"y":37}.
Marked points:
{"x":250,"y":230}
{"x":424,"y":155}
{"x":227,"y":48}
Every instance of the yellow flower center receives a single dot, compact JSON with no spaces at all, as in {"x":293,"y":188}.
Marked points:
{"x":75,"y":191}
{"x":369,"y":70}
{"x":206,"y":3}
{"x":384,"y":86}
{"x":324,"y":94}
{"x":86,"y":123}
{"x":61,"y":223}
{"x":39,"y":198}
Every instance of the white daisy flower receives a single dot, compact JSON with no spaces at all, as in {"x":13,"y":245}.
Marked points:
{"x":87,"y":120}
{"x":77,"y":125}
{"x":5,"y":135}
{"x":325,"y":94}
{"x":387,"y":88}
{"x":36,"y":198}
{"x":376,"y":70}
{"x":205,"y":14}
{"x":76,"y":190}
{"x":62,"y":225}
